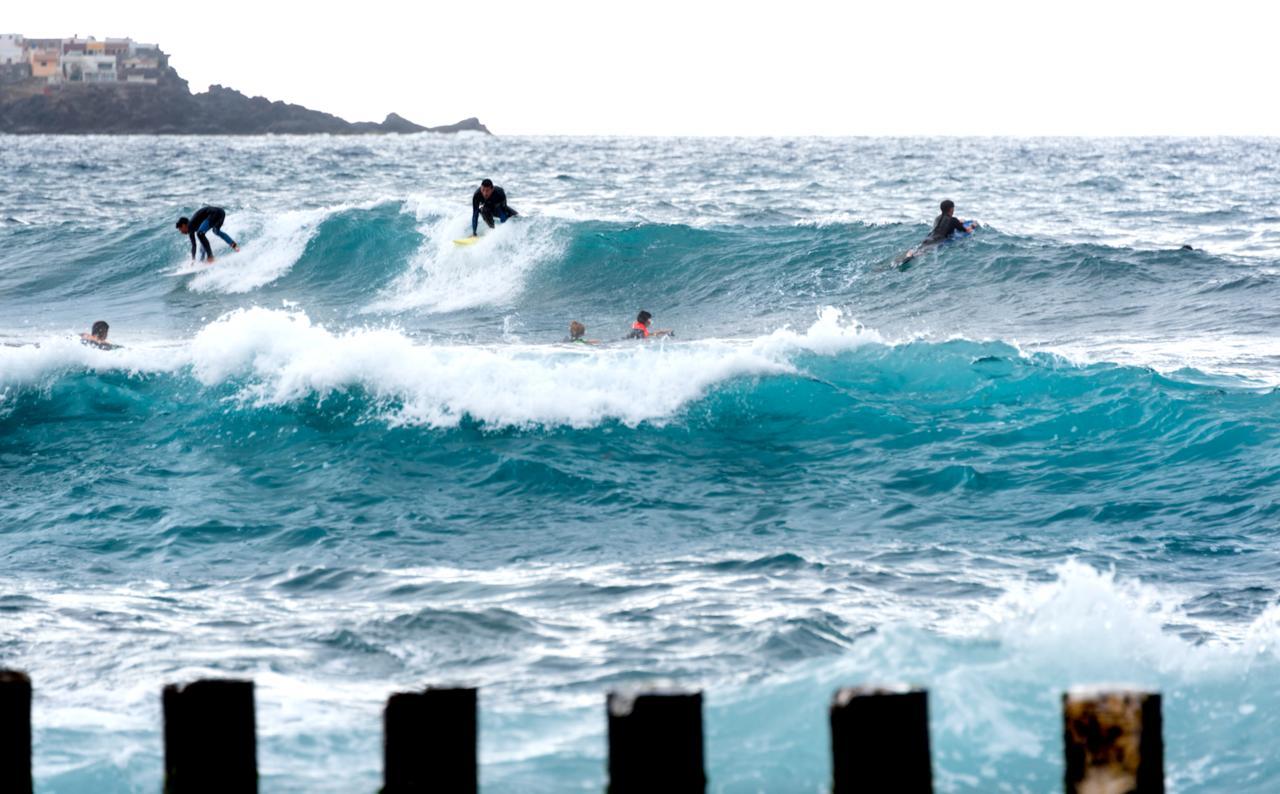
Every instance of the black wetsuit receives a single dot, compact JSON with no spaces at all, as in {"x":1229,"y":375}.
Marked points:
{"x":495,"y":205}
{"x":206,"y":219}
{"x":944,"y":227}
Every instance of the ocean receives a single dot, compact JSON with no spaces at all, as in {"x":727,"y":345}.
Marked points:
{"x":356,"y":458}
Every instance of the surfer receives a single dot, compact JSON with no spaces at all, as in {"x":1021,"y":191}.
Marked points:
{"x":640,"y":328}
{"x":206,"y":219}
{"x":947,"y":224}
{"x":944,"y":226}
{"x":97,"y":336}
{"x":487,"y":202}
{"x":578,"y":334}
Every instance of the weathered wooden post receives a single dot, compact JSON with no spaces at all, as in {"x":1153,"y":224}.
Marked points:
{"x":880,"y":741}
{"x":655,"y":742}
{"x":15,"y":732}
{"x":1113,"y":742}
{"x":210,"y":743}
{"x":429,"y":742}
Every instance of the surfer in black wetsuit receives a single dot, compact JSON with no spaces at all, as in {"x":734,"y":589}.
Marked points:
{"x":489,"y":202}
{"x":946,"y":224}
{"x":944,"y":227}
{"x":206,"y":219}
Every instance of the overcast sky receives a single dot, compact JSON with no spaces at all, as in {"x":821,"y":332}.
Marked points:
{"x":705,"y":67}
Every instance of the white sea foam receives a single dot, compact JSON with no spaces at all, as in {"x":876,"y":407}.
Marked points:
{"x":993,"y":664}
{"x":285,"y":358}
{"x":37,"y":365}
{"x":279,"y":357}
{"x":270,"y":245}
{"x":444,"y":277}
{"x":1254,"y":359}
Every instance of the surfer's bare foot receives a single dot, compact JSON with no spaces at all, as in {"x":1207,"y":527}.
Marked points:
{"x":209,"y":261}
{"x":235,"y":248}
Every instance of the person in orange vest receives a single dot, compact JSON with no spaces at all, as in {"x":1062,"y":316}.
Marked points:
{"x":640,"y":328}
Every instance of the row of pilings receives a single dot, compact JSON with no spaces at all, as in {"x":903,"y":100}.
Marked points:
{"x":879,"y":740}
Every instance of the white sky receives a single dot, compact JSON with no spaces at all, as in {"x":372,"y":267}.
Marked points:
{"x":706,"y":67}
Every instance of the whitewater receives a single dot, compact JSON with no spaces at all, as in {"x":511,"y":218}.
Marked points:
{"x":356,"y":458}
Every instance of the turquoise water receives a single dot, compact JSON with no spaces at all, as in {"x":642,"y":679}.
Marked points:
{"x":354,"y":458}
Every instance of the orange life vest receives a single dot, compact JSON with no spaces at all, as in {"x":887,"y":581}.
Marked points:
{"x":641,"y":327}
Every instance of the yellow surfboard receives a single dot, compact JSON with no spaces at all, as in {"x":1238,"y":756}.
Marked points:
{"x":467,"y":241}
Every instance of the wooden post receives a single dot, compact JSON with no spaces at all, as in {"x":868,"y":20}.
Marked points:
{"x":655,"y":743}
{"x":429,"y":742}
{"x":880,"y":741}
{"x":1113,"y":742}
{"x":209,"y":739}
{"x":15,"y":732}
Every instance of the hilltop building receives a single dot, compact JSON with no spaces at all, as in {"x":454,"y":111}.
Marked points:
{"x":75,"y":60}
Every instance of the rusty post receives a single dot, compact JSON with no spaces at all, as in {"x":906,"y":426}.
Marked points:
{"x":210,"y":743}
{"x":1113,"y":742}
{"x":15,"y":732}
{"x":655,"y":742}
{"x":880,"y":740}
{"x":429,"y":742}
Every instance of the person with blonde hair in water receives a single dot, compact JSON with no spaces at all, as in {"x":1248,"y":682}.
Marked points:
{"x":577,"y":334}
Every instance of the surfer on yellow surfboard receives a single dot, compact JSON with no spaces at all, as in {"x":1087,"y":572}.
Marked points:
{"x":488,"y":202}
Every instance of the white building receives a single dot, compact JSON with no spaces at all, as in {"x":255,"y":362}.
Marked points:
{"x":140,"y":70}
{"x":12,"y":49}
{"x":79,"y":67}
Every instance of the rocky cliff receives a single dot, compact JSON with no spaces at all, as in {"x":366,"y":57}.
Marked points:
{"x":169,"y":108}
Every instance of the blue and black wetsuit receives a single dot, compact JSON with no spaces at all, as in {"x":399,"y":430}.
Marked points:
{"x":944,"y":227}
{"x":207,"y":219}
{"x":489,"y":208}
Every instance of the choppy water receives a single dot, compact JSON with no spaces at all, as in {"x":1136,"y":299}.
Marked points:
{"x":354,"y":459}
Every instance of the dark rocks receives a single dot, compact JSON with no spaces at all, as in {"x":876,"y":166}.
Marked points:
{"x":169,"y":108}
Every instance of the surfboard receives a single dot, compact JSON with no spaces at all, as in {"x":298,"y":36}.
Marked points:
{"x":467,"y":241}
{"x":188,"y":270}
{"x":903,"y":261}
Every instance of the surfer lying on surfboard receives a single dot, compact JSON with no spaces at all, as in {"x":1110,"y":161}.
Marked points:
{"x":640,"y":328}
{"x":944,"y":226}
{"x":947,"y":224}
{"x":489,"y":202}
{"x":97,"y":336}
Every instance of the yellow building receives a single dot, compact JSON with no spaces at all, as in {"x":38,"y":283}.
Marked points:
{"x":95,"y":47}
{"x":46,"y":64}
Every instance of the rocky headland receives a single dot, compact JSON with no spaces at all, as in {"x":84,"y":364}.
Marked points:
{"x":169,"y":108}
